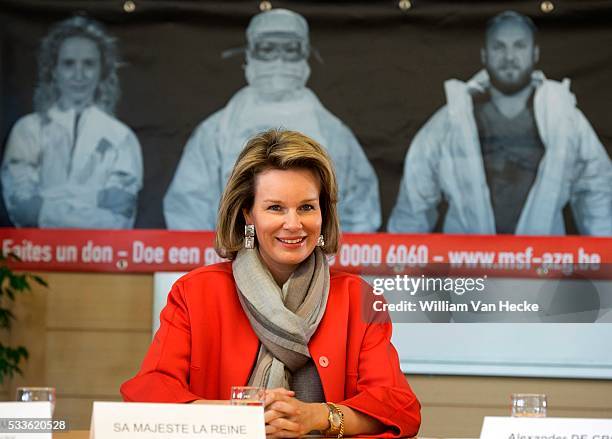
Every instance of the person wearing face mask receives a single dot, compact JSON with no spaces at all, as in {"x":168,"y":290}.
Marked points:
{"x":276,"y":96}
{"x":71,"y":163}
{"x":508,"y":151}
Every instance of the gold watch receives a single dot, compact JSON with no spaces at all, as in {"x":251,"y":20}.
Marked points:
{"x":336,"y":421}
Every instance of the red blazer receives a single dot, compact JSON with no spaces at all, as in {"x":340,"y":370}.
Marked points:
{"x":205,"y":345}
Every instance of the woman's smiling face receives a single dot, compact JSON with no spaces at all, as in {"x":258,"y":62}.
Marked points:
{"x":287,"y":218}
{"x":77,"y":72}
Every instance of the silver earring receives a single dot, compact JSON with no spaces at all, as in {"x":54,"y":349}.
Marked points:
{"x":249,"y":236}
{"x":321,"y":241}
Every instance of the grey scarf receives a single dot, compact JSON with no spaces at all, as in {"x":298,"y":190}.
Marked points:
{"x":283,"y":319}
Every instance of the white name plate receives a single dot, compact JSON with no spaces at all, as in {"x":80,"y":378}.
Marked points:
{"x":545,"y":428}
{"x":25,"y":420}
{"x":116,"y":420}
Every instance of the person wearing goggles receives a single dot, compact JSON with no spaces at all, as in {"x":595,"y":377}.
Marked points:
{"x":276,"y":70}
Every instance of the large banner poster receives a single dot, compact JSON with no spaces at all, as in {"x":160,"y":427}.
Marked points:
{"x":478,"y":118}
{"x":471,"y":141}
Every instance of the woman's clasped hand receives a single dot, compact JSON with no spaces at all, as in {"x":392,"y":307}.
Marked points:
{"x":286,"y":416}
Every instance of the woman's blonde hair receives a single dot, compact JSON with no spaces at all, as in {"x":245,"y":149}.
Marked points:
{"x":275,"y":149}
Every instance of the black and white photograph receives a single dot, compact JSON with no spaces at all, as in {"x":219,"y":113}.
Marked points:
{"x":71,"y":163}
{"x":276,"y":70}
{"x":508,"y":151}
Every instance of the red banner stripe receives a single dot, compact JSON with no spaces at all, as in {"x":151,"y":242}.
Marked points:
{"x":138,"y":251}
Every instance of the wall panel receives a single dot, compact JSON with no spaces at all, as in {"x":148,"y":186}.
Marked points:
{"x":93,"y":362}
{"x":100,"y":301}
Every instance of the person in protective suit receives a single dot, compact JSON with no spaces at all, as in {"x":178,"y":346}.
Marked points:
{"x":276,"y":71}
{"x":508,"y":151}
{"x":71,"y":163}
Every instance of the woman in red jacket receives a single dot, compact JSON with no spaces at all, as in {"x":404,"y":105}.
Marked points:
{"x":275,"y":316}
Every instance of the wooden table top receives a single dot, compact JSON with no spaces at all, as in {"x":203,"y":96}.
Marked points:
{"x":72,"y":434}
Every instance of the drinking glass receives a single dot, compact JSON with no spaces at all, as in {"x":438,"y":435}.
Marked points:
{"x":529,"y":405}
{"x":32,"y":394}
{"x":248,"y":395}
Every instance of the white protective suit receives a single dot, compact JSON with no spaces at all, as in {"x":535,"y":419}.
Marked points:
{"x":40,"y":160}
{"x":445,"y":159}
{"x":208,"y":159}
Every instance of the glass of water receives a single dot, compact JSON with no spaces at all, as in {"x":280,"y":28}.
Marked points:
{"x":529,"y":405}
{"x":248,"y":395}
{"x":33,"y":394}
